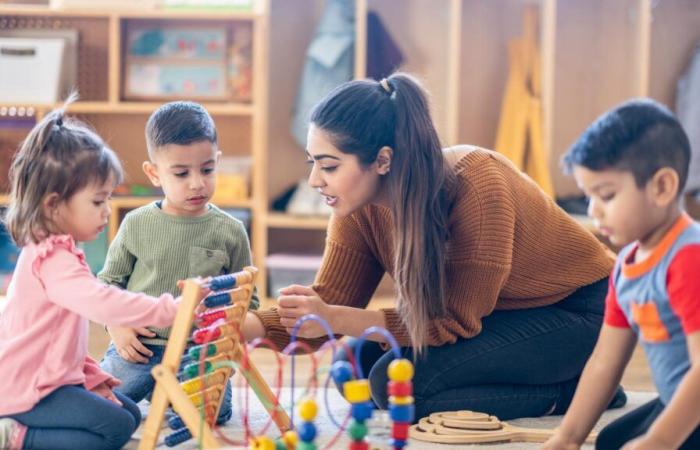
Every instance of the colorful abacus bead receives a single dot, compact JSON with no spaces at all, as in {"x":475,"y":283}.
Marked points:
{"x":361,"y":411}
{"x":306,"y":431}
{"x":341,"y":371}
{"x":262,"y":443}
{"x":400,"y":388}
{"x":401,"y":407}
{"x":357,"y":392}
{"x":400,"y":370}
{"x":288,"y":441}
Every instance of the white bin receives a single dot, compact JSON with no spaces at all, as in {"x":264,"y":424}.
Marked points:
{"x":30,"y":70}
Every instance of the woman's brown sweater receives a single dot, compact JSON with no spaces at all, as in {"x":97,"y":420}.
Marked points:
{"x":510,"y":247}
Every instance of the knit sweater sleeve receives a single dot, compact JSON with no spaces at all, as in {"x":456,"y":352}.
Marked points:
{"x":479,"y":259}
{"x":240,"y":255}
{"x":348,"y":276}
{"x":119,"y":263}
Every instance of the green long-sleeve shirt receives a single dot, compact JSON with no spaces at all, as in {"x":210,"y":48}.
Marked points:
{"x":153,"y":250}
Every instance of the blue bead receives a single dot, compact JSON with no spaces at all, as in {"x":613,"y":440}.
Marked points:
{"x":397,"y":443}
{"x":341,"y":372}
{"x":307,"y":431}
{"x":217,"y":300}
{"x":222,"y":282}
{"x":175,"y":423}
{"x":361,"y":411}
{"x":178,"y":437}
{"x":402,"y":413}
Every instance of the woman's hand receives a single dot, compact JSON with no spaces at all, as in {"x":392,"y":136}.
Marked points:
{"x":127,"y":343}
{"x":104,"y":389}
{"x":297,"y":301}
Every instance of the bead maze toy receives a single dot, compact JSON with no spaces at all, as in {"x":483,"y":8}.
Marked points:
{"x":197,"y":400}
{"x":217,"y":306}
{"x":468,"y":427}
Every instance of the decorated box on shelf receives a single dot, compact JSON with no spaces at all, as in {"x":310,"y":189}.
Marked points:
{"x":168,"y":62}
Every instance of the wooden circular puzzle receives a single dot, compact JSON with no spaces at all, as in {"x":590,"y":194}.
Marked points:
{"x":469,"y":427}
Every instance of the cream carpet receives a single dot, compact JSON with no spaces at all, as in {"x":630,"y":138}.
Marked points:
{"x":234,"y":430}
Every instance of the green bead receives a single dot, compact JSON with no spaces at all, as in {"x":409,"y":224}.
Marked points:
{"x":193,"y":370}
{"x":303,"y":445}
{"x":279,"y":445}
{"x":357,"y":430}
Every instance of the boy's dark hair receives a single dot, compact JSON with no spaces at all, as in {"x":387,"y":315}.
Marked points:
{"x":180,"y":123}
{"x":640,"y":136}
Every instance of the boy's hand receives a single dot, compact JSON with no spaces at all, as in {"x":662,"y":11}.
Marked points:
{"x":558,"y":442}
{"x":104,"y":389}
{"x":128,"y":345}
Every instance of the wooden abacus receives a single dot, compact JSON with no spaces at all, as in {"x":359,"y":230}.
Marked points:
{"x":206,"y":391}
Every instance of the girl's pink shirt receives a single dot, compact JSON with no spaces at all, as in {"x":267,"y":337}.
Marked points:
{"x":44,"y":327}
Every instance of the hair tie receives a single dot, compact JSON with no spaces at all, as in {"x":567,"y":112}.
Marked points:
{"x":386,"y":86}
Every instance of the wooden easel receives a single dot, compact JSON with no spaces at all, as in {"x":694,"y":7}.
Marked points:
{"x":520,"y":135}
{"x":209,"y":387}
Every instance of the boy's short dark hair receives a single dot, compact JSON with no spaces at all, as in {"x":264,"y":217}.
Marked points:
{"x":180,"y":123}
{"x":640,"y":136}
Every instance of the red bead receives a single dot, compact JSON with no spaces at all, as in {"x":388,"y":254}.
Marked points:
{"x":400,"y":388}
{"x":400,"y":430}
{"x":359,"y":445}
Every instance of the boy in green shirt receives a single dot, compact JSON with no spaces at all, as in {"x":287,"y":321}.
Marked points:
{"x":179,"y":237}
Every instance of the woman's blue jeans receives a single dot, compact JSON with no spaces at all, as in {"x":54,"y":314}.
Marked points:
{"x":524,"y":363}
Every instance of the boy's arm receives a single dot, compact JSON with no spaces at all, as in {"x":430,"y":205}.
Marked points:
{"x":119,"y":263}
{"x":599,"y":380}
{"x":600,"y":377}
{"x":240,"y":257}
{"x":682,"y":415}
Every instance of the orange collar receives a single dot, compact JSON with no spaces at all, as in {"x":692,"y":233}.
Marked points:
{"x":633,"y":270}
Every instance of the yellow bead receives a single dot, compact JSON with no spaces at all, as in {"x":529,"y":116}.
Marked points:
{"x":308,"y":409}
{"x":403,"y":400}
{"x":290,"y":439}
{"x":356,"y":391}
{"x":400,"y":370}
{"x":262,"y":443}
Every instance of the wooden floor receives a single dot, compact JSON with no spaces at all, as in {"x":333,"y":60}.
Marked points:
{"x":636,"y":378}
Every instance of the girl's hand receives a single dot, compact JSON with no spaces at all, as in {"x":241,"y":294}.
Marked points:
{"x":104,"y":389}
{"x":558,"y":442}
{"x":128,"y":345}
{"x":296,"y":301}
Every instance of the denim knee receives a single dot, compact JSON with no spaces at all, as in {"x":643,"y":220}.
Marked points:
{"x":122,"y":426}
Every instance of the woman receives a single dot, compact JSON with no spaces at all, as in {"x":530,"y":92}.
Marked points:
{"x":500,"y":293}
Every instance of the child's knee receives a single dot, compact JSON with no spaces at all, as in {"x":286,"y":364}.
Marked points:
{"x":122,"y":427}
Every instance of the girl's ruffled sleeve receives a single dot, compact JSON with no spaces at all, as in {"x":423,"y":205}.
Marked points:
{"x":64,"y":274}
